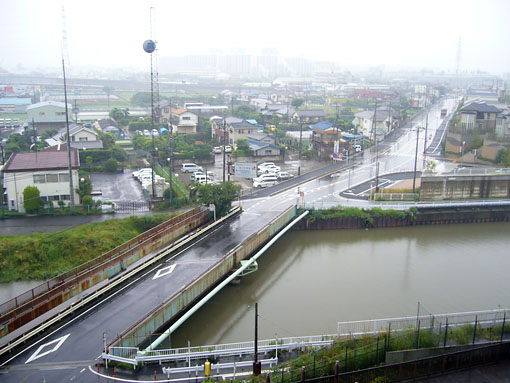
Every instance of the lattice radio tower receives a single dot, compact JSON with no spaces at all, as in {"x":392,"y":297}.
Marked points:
{"x":156,"y":109}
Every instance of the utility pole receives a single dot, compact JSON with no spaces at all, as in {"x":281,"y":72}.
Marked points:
{"x":71,"y":188}
{"x":257,"y":365}
{"x":300,"y":146}
{"x":224,"y":144}
{"x":416,"y":158}
{"x":34,"y":134}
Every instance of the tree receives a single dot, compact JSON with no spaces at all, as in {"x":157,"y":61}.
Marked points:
{"x":110,"y":166}
{"x":85,"y":188}
{"x":108,"y":140}
{"x":243,"y":148}
{"x":297,"y":102}
{"x":221,"y":195}
{"x":31,"y":199}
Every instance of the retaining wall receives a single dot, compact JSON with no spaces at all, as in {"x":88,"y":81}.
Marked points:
{"x":424,"y":216}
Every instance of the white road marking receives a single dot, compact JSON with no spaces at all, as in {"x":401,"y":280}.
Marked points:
{"x":164,"y":271}
{"x":38,"y":354}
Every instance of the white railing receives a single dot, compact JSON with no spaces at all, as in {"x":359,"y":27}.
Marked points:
{"x":217,"y":367}
{"x":482,"y":318}
{"x":121,"y":354}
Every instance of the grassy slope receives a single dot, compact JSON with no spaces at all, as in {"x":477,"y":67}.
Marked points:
{"x":44,"y":255}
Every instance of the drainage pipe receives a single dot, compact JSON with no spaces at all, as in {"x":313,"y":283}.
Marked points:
{"x":204,"y":300}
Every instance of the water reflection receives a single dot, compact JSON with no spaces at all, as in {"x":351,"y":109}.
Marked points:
{"x":308,"y":281}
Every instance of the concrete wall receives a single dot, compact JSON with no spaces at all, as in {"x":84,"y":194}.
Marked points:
{"x":459,"y":187}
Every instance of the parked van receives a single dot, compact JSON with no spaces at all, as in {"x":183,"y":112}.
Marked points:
{"x":265,"y":182}
{"x":203,"y":179}
{"x":189,"y":167}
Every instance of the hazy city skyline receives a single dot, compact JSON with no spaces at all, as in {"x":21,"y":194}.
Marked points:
{"x":368,"y":33}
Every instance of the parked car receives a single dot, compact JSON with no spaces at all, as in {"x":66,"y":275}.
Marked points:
{"x":146,"y":133}
{"x":357,"y":148}
{"x":203,"y":179}
{"x":268,"y":176}
{"x":268,"y":169}
{"x":265,"y":183}
{"x":196,"y":174}
{"x":216,"y":150}
{"x":189,"y":167}
{"x":228,"y":149}
{"x":136,"y":173}
{"x":284,"y":175}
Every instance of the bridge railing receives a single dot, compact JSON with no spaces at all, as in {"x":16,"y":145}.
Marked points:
{"x":373,"y":326}
{"x":199,"y":352}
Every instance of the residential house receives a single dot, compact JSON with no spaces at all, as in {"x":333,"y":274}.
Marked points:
{"x":308,"y":116}
{"x":49,"y":115}
{"x":183,"y":121}
{"x":327,"y":141}
{"x":47,"y":170}
{"x":479,"y":115}
{"x":385,"y":121}
{"x":263,"y":144}
{"x":280,"y":110}
{"x":82,"y":138}
{"x":236,"y":128}
{"x":503,"y":125}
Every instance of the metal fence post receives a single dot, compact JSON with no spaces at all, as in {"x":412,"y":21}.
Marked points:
{"x":377,"y":352}
{"x":474,"y":331}
{"x":303,"y":374}
{"x":503,"y":327}
{"x":337,"y":371}
{"x":345,"y":360}
{"x":445,"y":333}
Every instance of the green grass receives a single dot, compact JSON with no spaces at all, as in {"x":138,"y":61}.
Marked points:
{"x":45,"y":255}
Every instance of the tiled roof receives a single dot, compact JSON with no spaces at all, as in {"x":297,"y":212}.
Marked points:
{"x":179,"y":111}
{"x":45,"y":160}
{"x":480,"y":107}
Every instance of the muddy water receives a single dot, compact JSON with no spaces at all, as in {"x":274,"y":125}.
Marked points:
{"x":308,"y":281}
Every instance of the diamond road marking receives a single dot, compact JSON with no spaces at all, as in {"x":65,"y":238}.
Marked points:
{"x":38,"y":354}
{"x":164,"y":271}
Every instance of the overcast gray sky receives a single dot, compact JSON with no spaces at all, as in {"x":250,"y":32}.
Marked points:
{"x":394,"y":33}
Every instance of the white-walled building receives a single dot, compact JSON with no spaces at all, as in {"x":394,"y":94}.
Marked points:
{"x":48,"y":171}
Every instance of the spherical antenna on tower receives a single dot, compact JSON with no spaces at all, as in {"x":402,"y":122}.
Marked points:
{"x":149,"y":46}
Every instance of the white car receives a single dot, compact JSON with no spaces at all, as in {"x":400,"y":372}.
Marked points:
{"x":189,"y":167}
{"x":265,"y":183}
{"x":228,"y":149}
{"x":262,"y":177}
{"x":268,"y":169}
{"x":284,"y":175}
{"x":194,"y":175}
{"x":136,"y":173}
{"x":216,"y":150}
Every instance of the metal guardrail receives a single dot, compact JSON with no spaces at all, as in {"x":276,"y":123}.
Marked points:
{"x":133,"y":356}
{"x":483,"y":318}
{"x":217,"y":367}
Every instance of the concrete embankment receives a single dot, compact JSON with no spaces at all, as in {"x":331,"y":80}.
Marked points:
{"x":418,"y":216}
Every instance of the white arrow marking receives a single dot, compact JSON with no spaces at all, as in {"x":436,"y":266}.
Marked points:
{"x":164,"y":271}
{"x":38,"y":354}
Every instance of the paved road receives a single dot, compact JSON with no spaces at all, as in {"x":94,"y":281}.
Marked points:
{"x":82,"y":339}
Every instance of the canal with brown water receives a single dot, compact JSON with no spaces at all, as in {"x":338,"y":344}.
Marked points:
{"x":310,"y":280}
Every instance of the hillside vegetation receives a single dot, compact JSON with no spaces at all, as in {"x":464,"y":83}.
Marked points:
{"x":45,"y":255}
